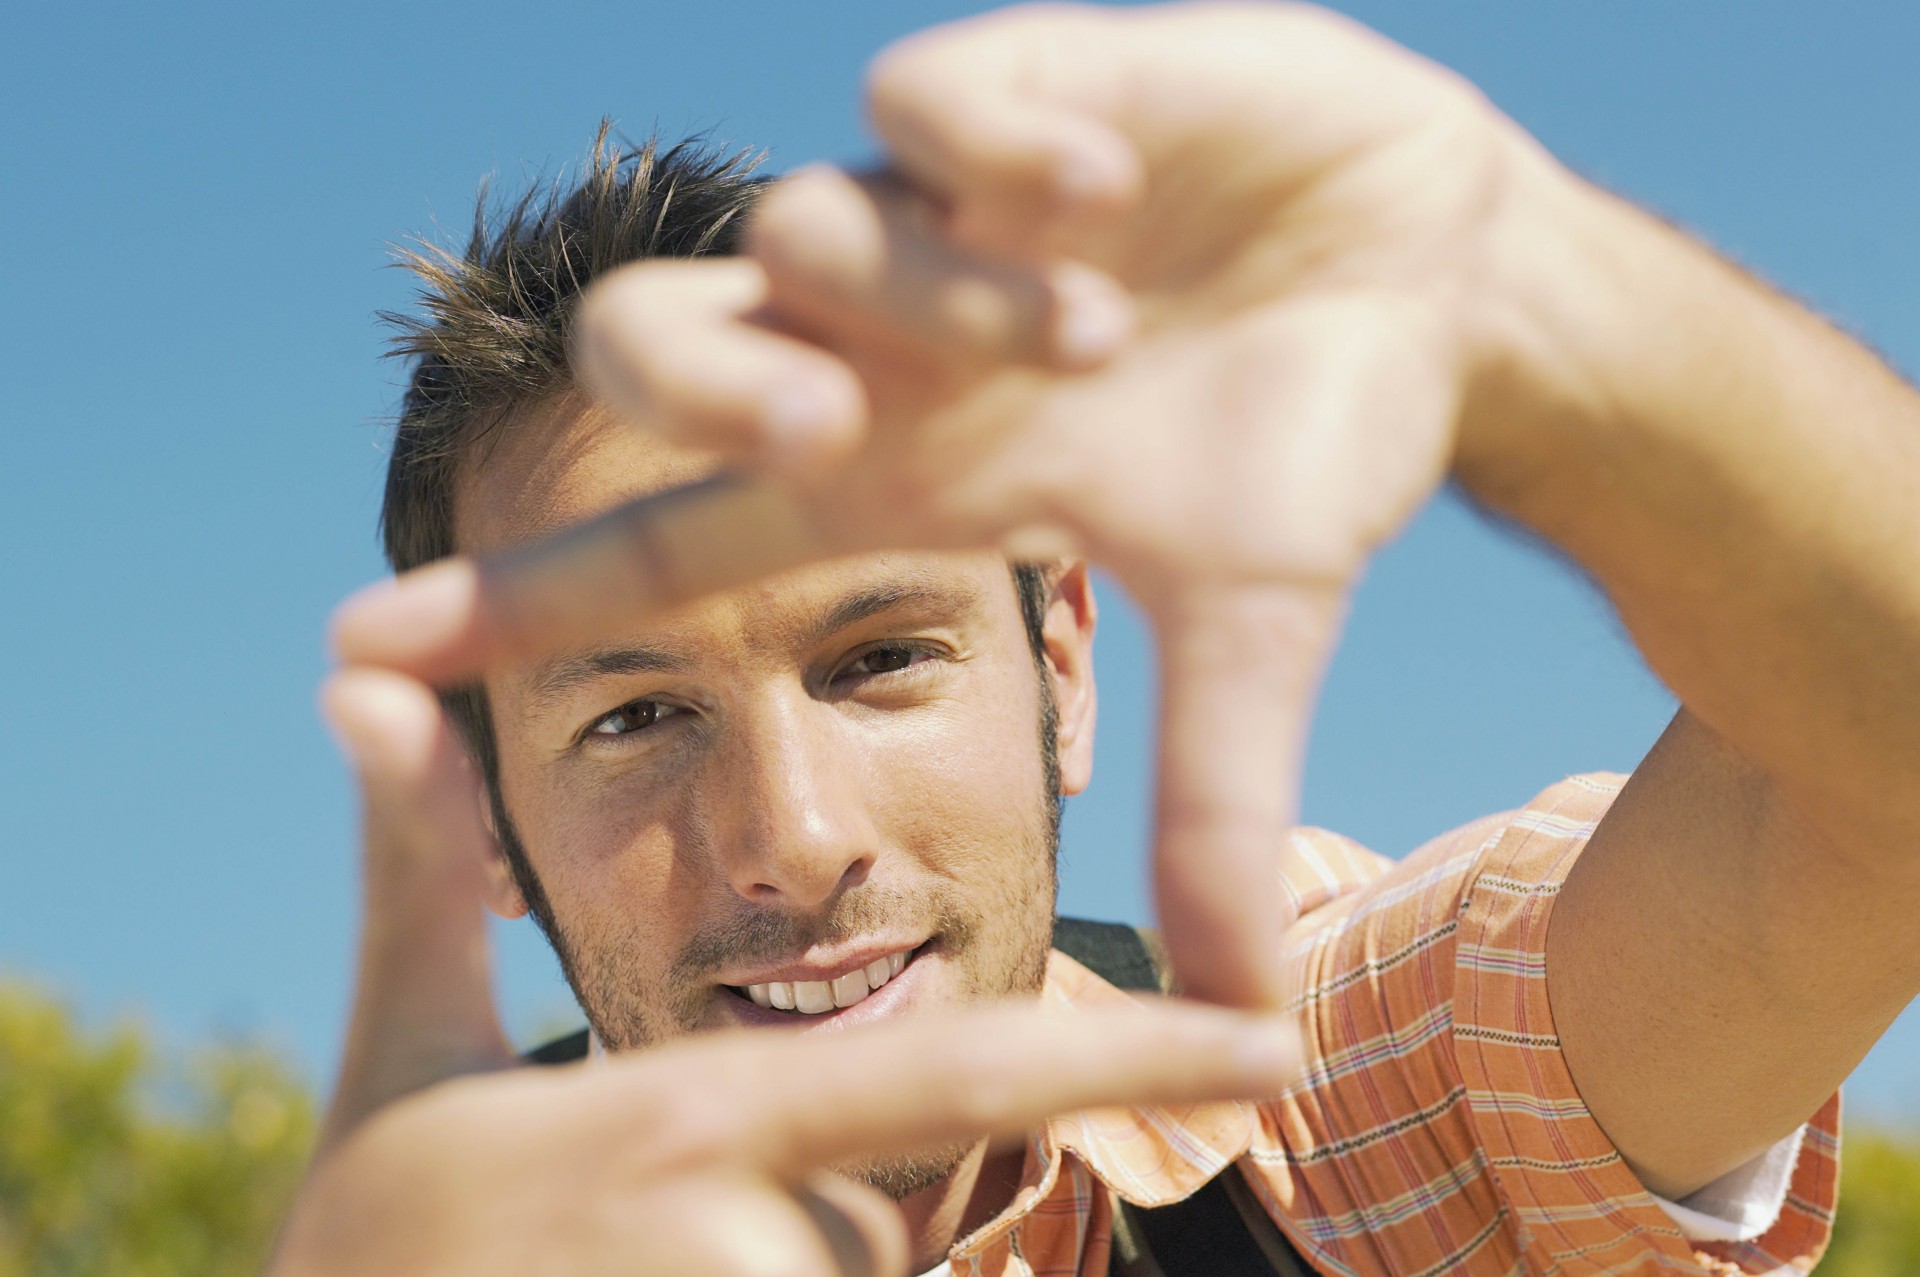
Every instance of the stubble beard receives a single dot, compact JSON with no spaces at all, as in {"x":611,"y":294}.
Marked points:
{"x":623,"y":1022}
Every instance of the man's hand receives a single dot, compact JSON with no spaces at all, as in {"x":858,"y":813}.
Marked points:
{"x":1343,"y":274}
{"x":1247,"y":382}
{"x":712,"y":1155}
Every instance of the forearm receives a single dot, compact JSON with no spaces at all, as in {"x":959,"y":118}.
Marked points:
{"x":1742,"y":480}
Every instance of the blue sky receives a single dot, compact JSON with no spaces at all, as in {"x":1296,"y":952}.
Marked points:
{"x":197,"y":204}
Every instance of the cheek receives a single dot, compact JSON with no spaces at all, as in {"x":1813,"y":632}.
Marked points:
{"x":605,"y":853}
{"x":965,"y":784}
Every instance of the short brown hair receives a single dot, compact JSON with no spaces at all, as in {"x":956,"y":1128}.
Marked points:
{"x":490,"y":340}
{"x":491,"y":335}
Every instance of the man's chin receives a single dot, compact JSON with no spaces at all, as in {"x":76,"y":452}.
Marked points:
{"x":901,"y":1177}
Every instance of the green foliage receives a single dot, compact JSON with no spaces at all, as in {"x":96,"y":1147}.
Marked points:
{"x":1877,"y":1232}
{"x":111,"y":1164}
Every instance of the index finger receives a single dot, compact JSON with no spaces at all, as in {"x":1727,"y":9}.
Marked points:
{"x":452,"y":619}
{"x":821,"y":1099}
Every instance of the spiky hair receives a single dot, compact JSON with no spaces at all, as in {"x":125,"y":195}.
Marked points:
{"x":491,"y":339}
{"x":492,"y":329}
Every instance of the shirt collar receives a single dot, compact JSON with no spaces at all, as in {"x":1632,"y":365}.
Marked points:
{"x":1149,"y":1156}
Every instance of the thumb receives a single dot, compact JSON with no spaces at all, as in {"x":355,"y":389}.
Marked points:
{"x":1239,"y":670}
{"x":423,"y":1001}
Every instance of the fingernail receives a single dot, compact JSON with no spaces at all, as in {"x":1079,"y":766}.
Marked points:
{"x":1094,"y":318}
{"x":1090,"y":175}
{"x":352,"y":707}
{"x":799,"y":416}
{"x":1270,"y":1051}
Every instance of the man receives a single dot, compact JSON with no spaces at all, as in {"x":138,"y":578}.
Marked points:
{"x":1215,"y":296}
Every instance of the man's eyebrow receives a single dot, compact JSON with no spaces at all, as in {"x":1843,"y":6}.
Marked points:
{"x":924,"y":594}
{"x":553,"y":679}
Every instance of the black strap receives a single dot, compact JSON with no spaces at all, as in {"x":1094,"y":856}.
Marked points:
{"x":1221,"y":1230}
{"x":1125,"y":957}
{"x":567,"y":1050}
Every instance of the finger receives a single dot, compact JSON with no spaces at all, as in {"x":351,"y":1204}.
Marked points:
{"x":1349,"y":403}
{"x":863,"y":1229}
{"x":1238,"y":673}
{"x":452,"y":619}
{"x":723,"y":1222}
{"x":423,"y":1003}
{"x":957,"y":109}
{"x":669,"y":344}
{"x":865,"y":263}
{"x":805,"y":1102}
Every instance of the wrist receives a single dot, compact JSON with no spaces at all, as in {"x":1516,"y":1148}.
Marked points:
{"x":1553,"y":323}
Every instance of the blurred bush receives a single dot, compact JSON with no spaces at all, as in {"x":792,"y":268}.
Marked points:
{"x":114,"y":1163}
{"x":1877,"y":1233}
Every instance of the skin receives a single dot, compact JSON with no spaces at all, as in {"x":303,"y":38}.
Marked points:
{"x":1387,"y":285}
{"x":782,"y":794}
{"x":1735,"y":473}
{"x":710,"y":1152}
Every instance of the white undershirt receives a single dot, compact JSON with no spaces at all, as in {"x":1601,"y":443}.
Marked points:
{"x":1743,"y":1203}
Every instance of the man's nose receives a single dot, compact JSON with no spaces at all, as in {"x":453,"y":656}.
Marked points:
{"x":793,"y":825}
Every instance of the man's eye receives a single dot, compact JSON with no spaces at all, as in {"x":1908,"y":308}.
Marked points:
{"x":887,"y":660}
{"x":632,"y":717}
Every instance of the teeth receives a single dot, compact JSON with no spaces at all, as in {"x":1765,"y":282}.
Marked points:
{"x":850,"y":988}
{"x":813,"y":997}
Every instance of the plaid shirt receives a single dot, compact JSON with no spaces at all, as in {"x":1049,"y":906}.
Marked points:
{"x":1437,"y":1130}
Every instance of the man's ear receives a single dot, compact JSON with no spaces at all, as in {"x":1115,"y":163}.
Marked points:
{"x":502,"y":892}
{"x":1067,"y":637}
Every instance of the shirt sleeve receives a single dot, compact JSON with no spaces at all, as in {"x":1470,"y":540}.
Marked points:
{"x":1437,"y":1129}
{"x":1565,"y":1183}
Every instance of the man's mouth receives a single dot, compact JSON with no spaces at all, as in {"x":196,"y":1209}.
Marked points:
{"x":817,"y":997}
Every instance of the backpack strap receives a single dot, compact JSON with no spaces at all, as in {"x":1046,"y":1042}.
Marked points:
{"x":1222,"y":1230}
{"x":1125,"y":957}
{"x":567,"y":1050}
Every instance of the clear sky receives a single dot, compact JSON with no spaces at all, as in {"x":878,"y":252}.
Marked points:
{"x":196,"y":204}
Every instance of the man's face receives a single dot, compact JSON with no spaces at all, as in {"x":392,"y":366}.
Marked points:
{"x":829,"y":791}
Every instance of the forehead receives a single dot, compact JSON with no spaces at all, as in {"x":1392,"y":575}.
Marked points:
{"x":556,"y":463}
{"x":566,"y":460}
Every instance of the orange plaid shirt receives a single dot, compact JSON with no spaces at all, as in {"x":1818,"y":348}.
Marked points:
{"x":1437,"y":1130}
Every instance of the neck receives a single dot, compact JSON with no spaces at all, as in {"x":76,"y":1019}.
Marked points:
{"x":978,"y":1189}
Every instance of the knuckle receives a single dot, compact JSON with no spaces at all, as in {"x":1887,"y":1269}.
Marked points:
{"x":702,"y":1130}
{"x":717,"y":1227}
{"x":985,"y":315}
{"x":985,"y":1098}
{"x":813,"y":226}
{"x":899,"y":70}
{"x":627,"y":296}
